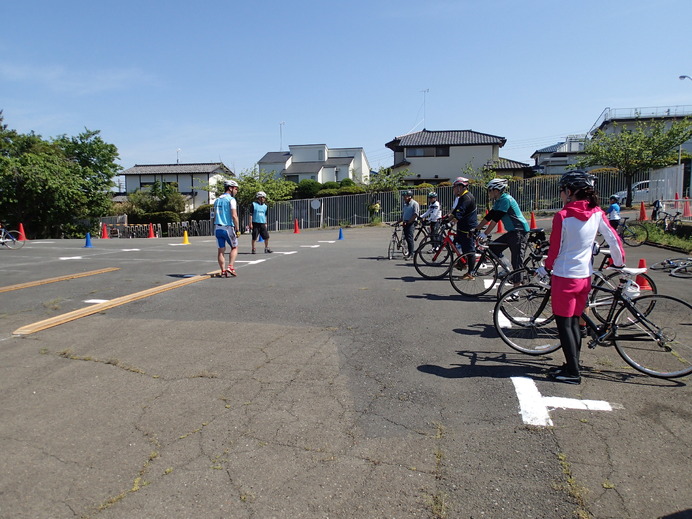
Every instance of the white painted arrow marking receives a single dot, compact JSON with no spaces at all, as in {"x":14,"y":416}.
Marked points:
{"x":535,"y":408}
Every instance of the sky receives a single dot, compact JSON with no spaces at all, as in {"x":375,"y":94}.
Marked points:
{"x":232,"y":80}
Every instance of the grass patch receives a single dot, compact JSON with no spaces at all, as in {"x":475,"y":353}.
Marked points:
{"x":682,"y":239}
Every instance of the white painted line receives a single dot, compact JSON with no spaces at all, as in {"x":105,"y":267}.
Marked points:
{"x":95,"y":301}
{"x":506,"y":323}
{"x":310,"y":246}
{"x":251,"y":262}
{"x":131,"y":250}
{"x":534,"y":408}
{"x":327,"y":241}
{"x":176,"y":244}
{"x":286,"y":253}
{"x":71,"y":257}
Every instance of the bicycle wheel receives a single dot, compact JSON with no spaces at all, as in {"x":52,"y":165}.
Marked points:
{"x":476,"y":282}
{"x":431,"y":260}
{"x":668,"y":264}
{"x":683,"y":271}
{"x":517,"y":277}
{"x":11,"y":240}
{"x":525,"y":322}
{"x":393,"y":248}
{"x":660,"y":342}
{"x":634,"y":234}
{"x":600,"y":300}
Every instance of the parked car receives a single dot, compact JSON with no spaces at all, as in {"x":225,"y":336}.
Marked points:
{"x":640,"y":193}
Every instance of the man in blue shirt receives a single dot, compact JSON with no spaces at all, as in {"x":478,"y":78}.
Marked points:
{"x":226,"y":227}
{"x":258,"y":221}
{"x":410,"y":213}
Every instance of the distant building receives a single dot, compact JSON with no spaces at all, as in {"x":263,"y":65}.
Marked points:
{"x":439,"y":156}
{"x":556,"y":159}
{"x":190,"y":178}
{"x":317,"y":162}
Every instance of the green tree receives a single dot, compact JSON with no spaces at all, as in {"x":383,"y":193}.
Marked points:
{"x":160,"y":197}
{"x":649,"y":145}
{"x":386,"y":180}
{"x":252,"y":181}
{"x":307,"y":188}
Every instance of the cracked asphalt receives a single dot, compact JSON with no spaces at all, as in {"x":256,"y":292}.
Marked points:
{"x":323,"y":382}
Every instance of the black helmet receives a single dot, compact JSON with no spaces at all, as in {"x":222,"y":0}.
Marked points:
{"x":577,"y":180}
{"x":408,"y":193}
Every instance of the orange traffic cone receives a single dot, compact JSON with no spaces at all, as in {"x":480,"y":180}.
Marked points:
{"x":500,"y":227}
{"x":104,"y":232}
{"x":296,"y":229}
{"x":677,"y":201}
{"x":22,"y":236}
{"x":642,"y":213}
{"x":151,"y":232}
{"x":533,"y":221}
{"x":641,"y":281}
{"x":685,"y":212}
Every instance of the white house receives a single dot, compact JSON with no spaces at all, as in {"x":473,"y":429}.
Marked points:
{"x":191,"y":179}
{"x":317,"y":162}
{"x":438,"y":156}
{"x":555,"y":159}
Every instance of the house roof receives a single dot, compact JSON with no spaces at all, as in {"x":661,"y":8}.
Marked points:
{"x":274,"y":157}
{"x":167,"y":169}
{"x":549,"y":149}
{"x":506,"y":164}
{"x":446,"y":138}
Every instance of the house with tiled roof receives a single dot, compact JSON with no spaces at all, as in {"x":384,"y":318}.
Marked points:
{"x":439,"y":156}
{"x":190,"y":178}
{"x":317,"y":162}
{"x":557,"y":158}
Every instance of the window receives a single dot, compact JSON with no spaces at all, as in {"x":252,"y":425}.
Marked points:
{"x":428,"y":151}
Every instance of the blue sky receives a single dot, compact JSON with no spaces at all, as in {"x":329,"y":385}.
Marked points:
{"x":216,"y":79}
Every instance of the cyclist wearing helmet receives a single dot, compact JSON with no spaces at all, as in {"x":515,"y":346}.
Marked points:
{"x":409,"y":215}
{"x":506,"y":209}
{"x":258,"y":221}
{"x":226,"y":226}
{"x":613,"y":212}
{"x":569,"y":257}
{"x":433,"y":214}
{"x":465,"y":213}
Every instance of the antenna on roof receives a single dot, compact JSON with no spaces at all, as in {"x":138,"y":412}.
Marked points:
{"x":281,"y":135}
{"x":424,"y":94}
{"x":177,"y":156}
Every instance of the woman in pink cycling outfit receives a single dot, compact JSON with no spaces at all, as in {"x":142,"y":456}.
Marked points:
{"x":569,"y":258}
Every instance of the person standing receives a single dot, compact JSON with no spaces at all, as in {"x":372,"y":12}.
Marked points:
{"x":226,"y":227}
{"x":613,"y":212}
{"x":410,"y":213}
{"x":433,"y":215}
{"x":569,"y":257}
{"x":258,"y":221}
{"x":506,"y":209}
{"x":465,"y":213}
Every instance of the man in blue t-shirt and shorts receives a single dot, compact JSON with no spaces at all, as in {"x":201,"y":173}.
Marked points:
{"x":258,"y":221}
{"x":226,"y":226}
{"x":505,"y":208}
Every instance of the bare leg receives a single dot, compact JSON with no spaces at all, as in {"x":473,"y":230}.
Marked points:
{"x":221,"y":258}
{"x":231,"y":257}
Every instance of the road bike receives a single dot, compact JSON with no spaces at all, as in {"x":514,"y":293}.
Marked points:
{"x":652,"y":333}
{"x":10,"y":239}
{"x":668,"y":222}
{"x":632,"y":234}
{"x":398,"y":246}
{"x":536,"y":251}
{"x":433,"y":257}
{"x":676,"y":267}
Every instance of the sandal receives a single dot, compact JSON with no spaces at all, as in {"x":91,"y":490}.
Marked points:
{"x":232,"y":271}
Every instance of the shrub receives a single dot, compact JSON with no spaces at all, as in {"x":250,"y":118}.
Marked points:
{"x":327,"y":192}
{"x":350,"y":190}
{"x":347,"y":182}
{"x":201,"y":213}
{"x":162,"y":218}
{"x":331,"y":185}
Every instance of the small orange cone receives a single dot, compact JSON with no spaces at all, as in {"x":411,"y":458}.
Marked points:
{"x":22,"y":236}
{"x":104,"y":232}
{"x":533,"y":221}
{"x":642,"y":213}
{"x":641,"y":281}
{"x":685,"y":212}
{"x":151,"y":232}
{"x":500,"y":227}
{"x":677,"y":201}
{"x":296,"y":229}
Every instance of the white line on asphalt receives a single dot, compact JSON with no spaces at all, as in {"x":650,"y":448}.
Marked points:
{"x":534,"y":407}
{"x":71,"y":257}
{"x":326,"y":241}
{"x":310,"y":246}
{"x":95,"y":301}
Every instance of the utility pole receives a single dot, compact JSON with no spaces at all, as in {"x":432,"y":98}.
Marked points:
{"x":281,"y":135}
{"x":424,"y":94}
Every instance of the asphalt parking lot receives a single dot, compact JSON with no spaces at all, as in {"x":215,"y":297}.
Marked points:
{"x":323,"y":381}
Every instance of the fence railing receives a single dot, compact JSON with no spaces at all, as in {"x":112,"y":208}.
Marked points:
{"x":534,"y":194}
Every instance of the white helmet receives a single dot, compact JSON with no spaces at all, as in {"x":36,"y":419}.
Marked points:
{"x":230,"y":183}
{"x":261,"y":194}
{"x":498,"y":183}
{"x":461,"y":181}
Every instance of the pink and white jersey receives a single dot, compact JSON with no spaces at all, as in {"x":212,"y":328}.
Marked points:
{"x":574,"y":231}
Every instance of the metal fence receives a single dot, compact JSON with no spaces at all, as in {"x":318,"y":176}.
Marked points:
{"x":535,"y":194}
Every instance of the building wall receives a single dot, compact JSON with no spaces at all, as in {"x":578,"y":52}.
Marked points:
{"x":450,"y":167}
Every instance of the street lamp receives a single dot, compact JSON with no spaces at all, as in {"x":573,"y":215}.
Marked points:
{"x":685,"y":77}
